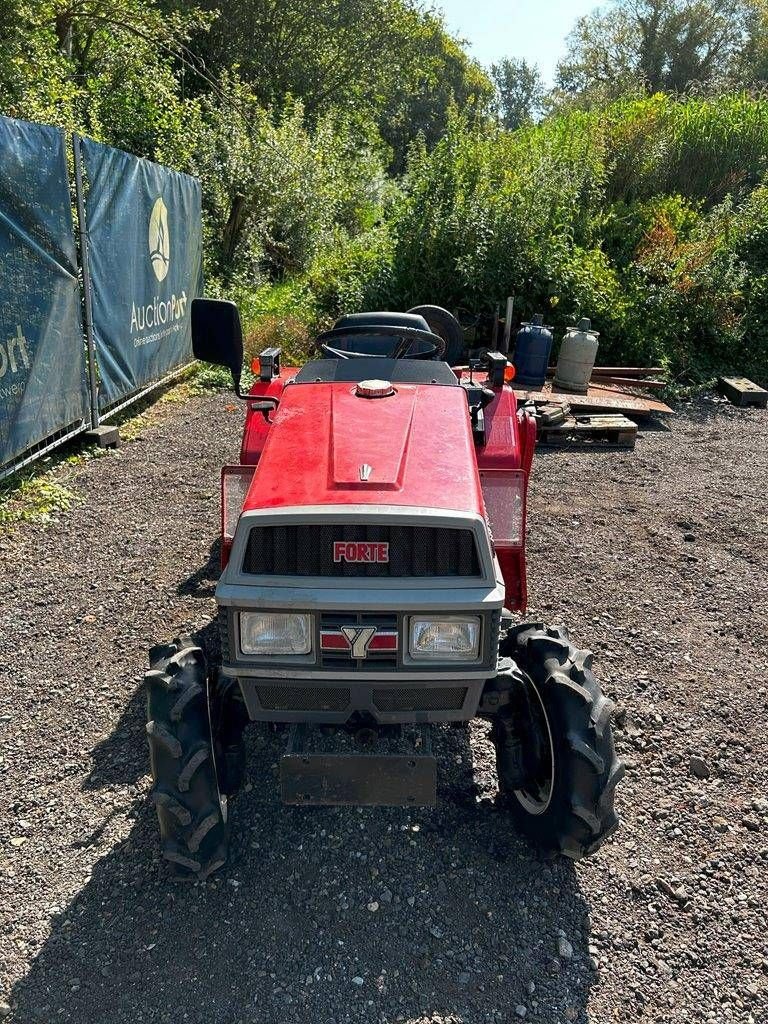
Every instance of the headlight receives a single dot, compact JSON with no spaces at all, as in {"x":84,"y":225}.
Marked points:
{"x":275,"y":633}
{"x":445,"y":639}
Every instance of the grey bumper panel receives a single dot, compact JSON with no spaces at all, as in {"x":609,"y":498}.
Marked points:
{"x":388,"y":701}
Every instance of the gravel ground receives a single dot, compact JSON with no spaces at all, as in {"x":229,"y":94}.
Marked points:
{"x":655,"y":559}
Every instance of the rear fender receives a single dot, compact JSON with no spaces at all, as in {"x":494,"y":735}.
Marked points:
{"x":511,"y":439}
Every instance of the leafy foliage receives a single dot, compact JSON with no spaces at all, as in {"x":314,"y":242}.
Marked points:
{"x":662,"y":45}
{"x":385,"y":63}
{"x":648,"y":216}
{"x":701,"y":148}
{"x":353,"y":155}
{"x":107,"y":68}
{"x":33,"y":496}
{"x":277,"y":188}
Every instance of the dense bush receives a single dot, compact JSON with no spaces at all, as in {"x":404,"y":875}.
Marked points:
{"x":354,"y":273}
{"x":491,"y":213}
{"x":647,"y":216}
{"x":701,"y":148}
{"x":277,"y":188}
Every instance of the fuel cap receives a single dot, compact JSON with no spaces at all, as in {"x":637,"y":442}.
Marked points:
{"x":374,"y":389}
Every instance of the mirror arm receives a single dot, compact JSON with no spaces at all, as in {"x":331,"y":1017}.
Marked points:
{"x":264,"y":404}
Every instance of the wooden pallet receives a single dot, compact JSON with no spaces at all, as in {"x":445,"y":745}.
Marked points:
{"x":600,"y":431}
{"x":743,"y":392}
{"x":599,"y":398}
{"x":630,"y":382}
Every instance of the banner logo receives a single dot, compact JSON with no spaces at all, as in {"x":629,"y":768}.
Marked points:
{"x":159,"y":240}
{"x":13,"y":352}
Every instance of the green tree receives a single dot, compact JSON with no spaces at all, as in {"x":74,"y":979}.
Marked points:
{"x":277,"y":188}
{"x":435,"y":80}
{"x":659,"y":45}
{"x":325,"y":52}
{"x":754,"y":59}
{"x":520,"y":93}
{"x":86,"y":30}
{"x":384,"y":62}
{"x":111,"y":68}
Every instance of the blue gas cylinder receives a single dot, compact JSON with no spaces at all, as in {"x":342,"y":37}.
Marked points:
{"x":533,"y":344}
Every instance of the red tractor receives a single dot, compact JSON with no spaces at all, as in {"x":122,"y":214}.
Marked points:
{"x":373,"y":573}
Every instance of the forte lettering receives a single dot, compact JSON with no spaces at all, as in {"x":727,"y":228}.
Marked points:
{"x":360,"y":551}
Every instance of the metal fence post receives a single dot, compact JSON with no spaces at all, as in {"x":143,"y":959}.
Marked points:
{"x":508,"y":323}
{"x":93,"y":384}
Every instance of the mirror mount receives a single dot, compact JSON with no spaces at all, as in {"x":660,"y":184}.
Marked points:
{"x":264,"y":405}
{"x":217,"y":337}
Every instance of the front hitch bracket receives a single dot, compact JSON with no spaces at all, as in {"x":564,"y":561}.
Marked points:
{"x":312,"y":777}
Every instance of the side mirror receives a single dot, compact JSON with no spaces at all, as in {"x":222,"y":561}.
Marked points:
{"x":217,"y":336}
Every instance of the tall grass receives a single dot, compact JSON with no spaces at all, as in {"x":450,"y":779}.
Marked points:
{"x":700,"y":148}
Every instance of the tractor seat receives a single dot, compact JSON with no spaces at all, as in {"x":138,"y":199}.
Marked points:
{"x":382,"y":320}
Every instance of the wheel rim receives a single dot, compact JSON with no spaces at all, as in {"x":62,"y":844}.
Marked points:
{"x":538,"y":798}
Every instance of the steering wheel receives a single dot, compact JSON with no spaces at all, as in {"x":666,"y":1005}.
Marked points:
{"x":406,"y":335}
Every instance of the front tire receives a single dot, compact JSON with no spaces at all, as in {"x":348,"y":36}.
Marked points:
{"x":566,"y":804}
{"x":191,"y":810}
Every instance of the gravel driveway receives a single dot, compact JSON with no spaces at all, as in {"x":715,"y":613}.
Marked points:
{"x":655,"y":559}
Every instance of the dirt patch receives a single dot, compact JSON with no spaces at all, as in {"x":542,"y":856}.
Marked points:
{"x":655,"y":559}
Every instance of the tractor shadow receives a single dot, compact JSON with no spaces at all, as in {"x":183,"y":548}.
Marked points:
{"x":202,"y":582}
{"x":121,"y":758}
{"x":325,"y":915}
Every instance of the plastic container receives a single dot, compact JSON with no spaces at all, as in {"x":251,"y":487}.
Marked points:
{"x":533,"y":344}
{"x":576,"y":361}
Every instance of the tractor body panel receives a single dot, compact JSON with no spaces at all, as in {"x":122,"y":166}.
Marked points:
{"x":366,"y":514}
{"x":256,"y":429}
{"x":417,"y":443}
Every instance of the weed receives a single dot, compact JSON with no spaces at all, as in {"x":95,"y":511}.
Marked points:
{"x":31,"y":496}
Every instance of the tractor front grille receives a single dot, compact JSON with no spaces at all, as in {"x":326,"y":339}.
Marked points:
{"x":387,"y":699}
{"x":414,"y":551}
{"x":303,"y":698}
{"x":415,"y":698}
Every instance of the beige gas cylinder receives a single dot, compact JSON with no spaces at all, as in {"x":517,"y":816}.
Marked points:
{"x":576,"y":361}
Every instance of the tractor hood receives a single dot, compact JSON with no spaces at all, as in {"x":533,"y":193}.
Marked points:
{"x":330,"y":446}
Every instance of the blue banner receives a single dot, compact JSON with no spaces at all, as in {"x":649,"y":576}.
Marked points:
{"x":42,"y":364}
{"x":144,"y":234}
